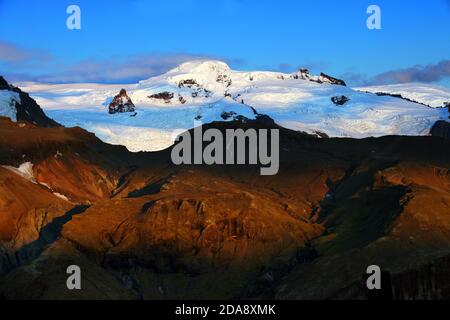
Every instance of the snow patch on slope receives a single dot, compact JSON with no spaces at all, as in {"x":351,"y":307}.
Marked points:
{"x":25,"y":170}
{"x":61,"y":196}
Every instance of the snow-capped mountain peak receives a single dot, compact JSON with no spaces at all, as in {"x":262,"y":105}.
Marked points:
{"x":206,"y":89}
{"x":205,"y":81}
{"x":210,"y":75}
{"x":201,"y":67}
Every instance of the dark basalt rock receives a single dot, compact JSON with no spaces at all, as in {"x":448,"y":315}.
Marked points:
{"x":3,"y":84}
{"x":222,"y":78}
{"x":121,"y":103}
{"x":188,"y":83}
{"x":29,"y":110}
{"x":340,"y":100}
{"x":329,"y":79}
{"x":181,"y":99}
{"x":441,"y":129}
{"x":197,"y":90}
{"x":303,"y":74}
{"x":166,"y":96}
{"x":200,"y":92}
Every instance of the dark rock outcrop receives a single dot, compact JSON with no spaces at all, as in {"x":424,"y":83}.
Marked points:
{"x":329,"y":79}
{"x":29,"y":110}
{"x":188,"y":83}
{"x":303,"y":74}
{"x":181,"y":99}
{"x":166,"y":96}
{"x":201,"y":92}
{"x":3,"y":84}
{"x":441,"y":129}
{"x":340,"y":100}
{"x":225,"y":79}
{"x":228,"y":115}
{"x":121,"y":103}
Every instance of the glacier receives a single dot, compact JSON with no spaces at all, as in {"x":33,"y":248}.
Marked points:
{"x":207,"y":90}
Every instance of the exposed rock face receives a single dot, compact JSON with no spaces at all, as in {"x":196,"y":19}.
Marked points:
{"x":441,"y":129}
{"x":28,"y":110}
{"x":303,"y":74}
{"x":329,"y":79}
{"x":4,"y":84}
{"x":340,"y":100}
{"x":166,"y":96}
{"x":121,"y":103}
{"x":199,"y":91}
{"x":195,"y":91}
{"x":181,"y":99}
{"x":228,"y":115}
{"x":224,"y":79}
{"x":188,"y":83}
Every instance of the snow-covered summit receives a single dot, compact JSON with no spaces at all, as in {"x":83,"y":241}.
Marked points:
{"x":204,"y":71}
{"x":210,"y":75}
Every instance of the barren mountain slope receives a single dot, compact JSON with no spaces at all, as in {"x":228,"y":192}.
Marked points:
{"x":155,"y":230}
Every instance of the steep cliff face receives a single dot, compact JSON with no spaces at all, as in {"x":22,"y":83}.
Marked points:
{"x":121,"y":103}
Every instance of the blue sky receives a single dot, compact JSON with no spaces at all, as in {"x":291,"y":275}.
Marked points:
{"x":125,"y":41}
